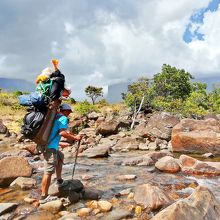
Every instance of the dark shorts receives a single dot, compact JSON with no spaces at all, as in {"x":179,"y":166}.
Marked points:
{"x":51,"y":159}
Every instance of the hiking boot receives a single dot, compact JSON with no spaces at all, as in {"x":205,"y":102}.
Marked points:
{"x":61,"y":183}
{"x":48,"y":198}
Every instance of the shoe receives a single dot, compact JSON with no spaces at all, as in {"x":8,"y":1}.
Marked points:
{"x":48,"y":198}
{"x":61,"y":183}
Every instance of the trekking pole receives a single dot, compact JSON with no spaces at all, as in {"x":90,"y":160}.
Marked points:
{"x":77,"y":150}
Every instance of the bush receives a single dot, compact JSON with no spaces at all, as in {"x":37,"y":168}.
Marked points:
{"x":17,"y":93}
{"x":85,"y":107}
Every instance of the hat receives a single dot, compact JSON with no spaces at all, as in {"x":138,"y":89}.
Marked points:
{"x":65,"y":107}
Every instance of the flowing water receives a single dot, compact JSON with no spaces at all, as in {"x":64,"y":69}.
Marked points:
{"x":101,"y":174}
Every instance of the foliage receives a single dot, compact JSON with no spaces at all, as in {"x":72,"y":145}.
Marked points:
{"x":85,"y":107}
{"x":102,"y":103}
{"x":93,"y":92}
{"x":72,"y":101}
{"x":172,"y":83}
{"x":136,"y":91}
{"x":17,"y":93}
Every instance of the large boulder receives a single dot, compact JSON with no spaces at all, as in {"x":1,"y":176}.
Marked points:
{"x":196,"y":136}
{"x":193,"y":166}
{"x":201,"y":205}
{"x":108,"y":127}
{"x":20,"y":153}
{"x":13,"y":167}
{"x":24,"y":183}
{"x":97,"y":151}
{"x":151,"y":197}
{"x":167,"y":164}
{"x":159,"y":126}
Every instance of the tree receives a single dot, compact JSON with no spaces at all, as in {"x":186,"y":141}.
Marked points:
{"x":172,"y":83}
{"x":93,"y":92}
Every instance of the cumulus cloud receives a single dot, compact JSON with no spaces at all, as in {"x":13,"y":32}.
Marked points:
{"x":104,"y":42}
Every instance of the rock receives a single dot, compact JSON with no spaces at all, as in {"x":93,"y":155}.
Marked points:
{"x":125,"y":192}
{"x":126,"y":177}
{"x":208,"y":155}
{"x":84,"y":212}
{"x":91,"y":194}
{"x":72,"y":186}
{"x":24,"y":183}
{"x":29,"y":200}
{"x":63,"y":213}
{"x":3,"y":128}
{"x":196,"y":136}
{"x":88,"y":132}
{"x":127,"y":143}
{"x":53,"y":206}
{"x":151,"y":197}
{"x":144,"y":146}
{"x":108,"y":127}
{"x":32,"y":148}
{"x":159,"y":126}
{"x":13,"y":167}
{"x":40,"y":215}
{"x":11,"y":153}
{"x":104,"y":206}
{"x":93,"y":204}
{"x":167,"y":164}
{"x":117,"y":214}
{"x":24,"y":209}
{"x":97,"y":151}
{"x":71,"y":216}
{"x":192,"y":166}
{"x":7,"y":207}
{"x":153,"y":146}
{"x":132,"y":161}
{"x":94,"y":116}
{"x":201,"y":205}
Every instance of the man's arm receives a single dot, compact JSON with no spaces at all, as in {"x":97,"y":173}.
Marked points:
{"x":72,"y":137}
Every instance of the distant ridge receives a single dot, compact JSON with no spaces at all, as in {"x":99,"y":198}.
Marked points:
{"x":11,"y":84}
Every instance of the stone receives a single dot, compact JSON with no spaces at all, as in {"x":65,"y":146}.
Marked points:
{"x":7,"y":207}
{"x":126,"y":177}
{"x":167,"y":164}
{"x":117,"y":214}
{"x":11,"y":153}
{"x":104,"y":206}
{"x":196,"y":136}
{"x":159,"y":126}
{"x":151,"y":197}
{"x":143,"y":146}
{"x":91,"y":194}
{"x":108,"y":127}
{"x":127,"y":143}
{"x":53,"y":206}
{"x":24,"y":183}
{"x":25,"y":209}
{"x":191,"y":165}
{"x":72,"y":186}
{"x":208,"y":155}
{"x":84,"y":212}
{"x":32,"y":148}
{"x":153,"y":146}
{"x":97,"y":151}
{"x":201,"y":205}
{"x":3,"y":128}
{"x":40,"y":215}
{"x":125,"y":192}
{"x":94,"y":115}
{"x":13,"y":167}
{"x":71,"y":216}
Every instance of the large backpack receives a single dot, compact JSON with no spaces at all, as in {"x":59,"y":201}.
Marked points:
{"x":31,"y":124}
{"x":45,"y":87}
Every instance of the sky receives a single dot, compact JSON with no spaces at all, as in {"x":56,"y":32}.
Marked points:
{"x":101,"y":43}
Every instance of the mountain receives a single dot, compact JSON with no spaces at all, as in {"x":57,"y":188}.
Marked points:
{"x":16,"y":84}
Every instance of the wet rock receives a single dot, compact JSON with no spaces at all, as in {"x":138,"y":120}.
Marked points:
{"x":24,"y":210}
{"x":197,"y":136}
{"x":13,"y":167}
{"x":151,"y":197}
{"x":159,"y":126}
{"x":7,"y":207}
{"x":41,"y":215}
{"x":20,"y":153}
{"x":24,"y":183}
{"x":126,"y":177}
{"x":29,"y":200}
{"x":84,"y":212}
{"x":192,"y":166}
{"x":97,"y":151}
{"x":125,"y":192}
{"x":71,"y":216}
{"x":132,"y":161}
{"x":32,"y":148}
{"x":200,"y":205}
{"x":155,"y":156}
{"x":108,"y":127}
{"x":53,"y":206}
{"x":167,"y":164}
{"x":208,"y":155}
{"x":91,"y":194}
{"x":127,"y":143}
{"x":104,"y":206}
{"x":117,"y":214}
{"x":72,"y":186}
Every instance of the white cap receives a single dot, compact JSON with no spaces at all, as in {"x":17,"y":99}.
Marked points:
{"x":65,"y":107}
{"x":47,"y":72}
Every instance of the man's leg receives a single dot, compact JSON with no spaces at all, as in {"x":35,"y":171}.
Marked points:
{"x":46,"y":180}
{"x":59,"y":166}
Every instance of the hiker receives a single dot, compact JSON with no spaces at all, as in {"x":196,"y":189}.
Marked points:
{"x":53,"y":158}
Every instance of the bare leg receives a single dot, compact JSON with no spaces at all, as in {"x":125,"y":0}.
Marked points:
{"x":59,"y":169}
{"x":46,"y":180}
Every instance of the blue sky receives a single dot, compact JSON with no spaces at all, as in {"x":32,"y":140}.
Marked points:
{"x":197,"y":18}
{"x":105,"y":42}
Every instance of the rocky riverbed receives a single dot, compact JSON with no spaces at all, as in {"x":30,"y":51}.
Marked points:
{"x":120,"y":174}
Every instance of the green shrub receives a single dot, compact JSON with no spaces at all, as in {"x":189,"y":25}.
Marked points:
{"x":17,"y":93}
{"x":85,"y":107}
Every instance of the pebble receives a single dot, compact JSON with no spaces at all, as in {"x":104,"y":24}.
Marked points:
{"x":104,"y":206}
